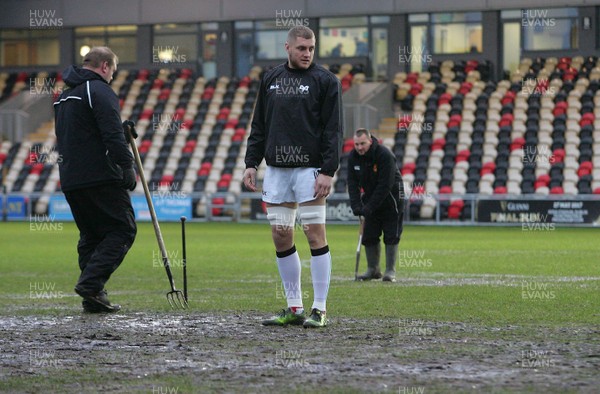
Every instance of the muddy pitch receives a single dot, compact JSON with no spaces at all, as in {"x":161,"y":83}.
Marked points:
{"x":181,"y":352}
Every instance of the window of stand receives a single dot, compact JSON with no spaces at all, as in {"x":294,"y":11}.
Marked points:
{"x":456,"y":32}
{"x":175,"y":44}
{"x":343,"y":37}
{"x":549,"y":28}
{"x":27,"y":47}
{"x":441,"y":34}
{"x":122,"y":40}
{"x":269,"y":40}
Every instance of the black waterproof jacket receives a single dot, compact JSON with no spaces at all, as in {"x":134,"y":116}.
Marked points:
{"x":89,"y":133}
{"x":377,"y":174}
{"x":297,"y":120}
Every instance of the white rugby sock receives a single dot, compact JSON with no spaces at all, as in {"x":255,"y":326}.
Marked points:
{"x":290,"y":268}
{"x":320,"y":269}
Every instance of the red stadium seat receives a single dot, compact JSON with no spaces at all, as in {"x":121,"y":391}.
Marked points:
{"x":438,"y":143}
{"x":166,"y":180}
{"x":517,"y":143}
{"x":36,"y":168}
{"x":146,"y":114}
{"x":454,"y":120}
{"x":508,"y":98}
{"x":157,"y":84}
{"x":543,"y":179}
{"x":418,"y":191}
{"x":445,"y":98}
{"x":500,"y":190}
{"x":558,"y":155}
{"x":217,"y":201}
{"x":404,"y":122}
{"x":408,"y":168}
{"x":585,"y":168}
{"x":488,"y":168}
{"x":143,"y":75}
{"x":454,"y":212}
{"x":463,"y":155}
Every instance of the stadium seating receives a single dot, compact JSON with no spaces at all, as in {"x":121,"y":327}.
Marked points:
{"x":459,"y":133}
{"x":530,"y":134}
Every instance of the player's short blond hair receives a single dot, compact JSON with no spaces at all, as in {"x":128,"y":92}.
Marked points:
{"x":300,"y":31}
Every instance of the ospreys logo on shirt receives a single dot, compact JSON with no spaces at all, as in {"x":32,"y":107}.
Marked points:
{"x":287,"y":86}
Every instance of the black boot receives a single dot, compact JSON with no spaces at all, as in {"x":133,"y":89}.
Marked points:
{"x":96,"y":303}
{"x":391,"y":253}
{"x":373,"y":272}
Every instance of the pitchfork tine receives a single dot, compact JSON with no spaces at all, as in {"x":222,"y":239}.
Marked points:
{"x":176,"y":299}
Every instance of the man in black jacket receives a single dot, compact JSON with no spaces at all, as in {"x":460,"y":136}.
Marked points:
{"x":372,"y":168}
{"x":297,"y":129}
{"x":96,"y":171}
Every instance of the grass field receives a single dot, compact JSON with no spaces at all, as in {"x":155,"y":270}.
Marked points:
{"x":473,"y":308}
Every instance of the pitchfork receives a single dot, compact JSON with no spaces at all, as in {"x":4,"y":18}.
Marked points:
{"x":175,"y":297}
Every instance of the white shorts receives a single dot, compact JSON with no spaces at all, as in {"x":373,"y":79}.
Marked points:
{"x":289,"y":184}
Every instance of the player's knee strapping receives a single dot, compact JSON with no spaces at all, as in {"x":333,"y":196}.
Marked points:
{"x":312,"y":214}
{"x":281,"y":216}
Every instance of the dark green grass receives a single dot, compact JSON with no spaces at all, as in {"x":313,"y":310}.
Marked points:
{"x":472,"y":274}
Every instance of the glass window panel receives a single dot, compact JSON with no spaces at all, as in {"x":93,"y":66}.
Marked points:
{"x":341,"y":22}
{"x":510,"y":14}
{"x":270,"y":24}
{"x":456,"y":17}
{"x":418,"y":18}
{"x":540,"y":13}
{"x":244,"y":54}
{"x":209,"y":55}
{"x":418,"y":54}
{"x":15,"y":53}
{"x":89,"y":30}
{"x":457,"y":38}
{"x":121,"y":29}
{"x":45,"y":52}
{"x":210,"y":47}
{"x":19,"y":34}
{"x":89,"y":42}
{"x":45,"y":33}
{"x":510,"y":53}
{"x":175,"y":48}
{"x":554,"y":34}
{"x":210,"y":26}
{"x":124,"y":47}
{"x":244,"y":25}
{"x":175,"y":28}
{"x":380,"y":53}
{"x":378,"y":19}
{"x":271,"y":44}
{"x":343,"y":42}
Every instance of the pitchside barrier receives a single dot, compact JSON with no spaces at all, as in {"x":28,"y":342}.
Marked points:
{"x":428,"y":209}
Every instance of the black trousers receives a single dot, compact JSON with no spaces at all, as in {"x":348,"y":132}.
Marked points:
{"x":387,"y":219}
{"x":106,"y":222}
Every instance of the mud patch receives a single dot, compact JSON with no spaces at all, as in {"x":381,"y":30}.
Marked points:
{"x":234,"y":353}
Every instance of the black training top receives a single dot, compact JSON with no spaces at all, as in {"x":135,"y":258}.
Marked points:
{"x":376,"y":172}
{"x":297,"y":120}
{"x":89,"y":134}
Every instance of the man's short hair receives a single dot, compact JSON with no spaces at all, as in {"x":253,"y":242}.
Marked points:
{"x":300,"y":31}
{"x":98,"y":55}
{"x":361,"y":132}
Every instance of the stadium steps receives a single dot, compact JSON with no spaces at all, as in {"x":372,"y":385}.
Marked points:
{"x":43,"y":133}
